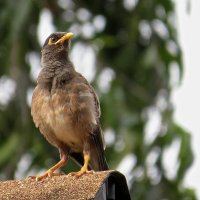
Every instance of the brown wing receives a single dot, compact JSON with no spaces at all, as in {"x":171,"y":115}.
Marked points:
{"x":98,"y":161}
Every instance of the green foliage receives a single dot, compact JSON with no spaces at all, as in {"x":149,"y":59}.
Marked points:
{"x":138,"y":46}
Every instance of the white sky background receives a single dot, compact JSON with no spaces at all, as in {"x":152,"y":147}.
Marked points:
{"x":187,"y":97}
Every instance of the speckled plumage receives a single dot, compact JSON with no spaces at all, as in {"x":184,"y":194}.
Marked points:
{"x":65,"y":107}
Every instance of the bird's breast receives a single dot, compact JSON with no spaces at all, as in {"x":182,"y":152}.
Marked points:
{"x":70,"y":114}
{"x":73,"y":116}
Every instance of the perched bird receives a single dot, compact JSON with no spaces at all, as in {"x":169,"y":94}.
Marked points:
{"x":66,"y":109}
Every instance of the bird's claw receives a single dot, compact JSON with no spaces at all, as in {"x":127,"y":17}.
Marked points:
{"x":48,"y":173}
{"x":81,"y":172}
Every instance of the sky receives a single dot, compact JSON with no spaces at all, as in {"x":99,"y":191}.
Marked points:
{"x":186,"y":98}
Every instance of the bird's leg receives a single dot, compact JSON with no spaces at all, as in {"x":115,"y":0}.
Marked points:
{"x":84,"y":168}
{"x":50,"y":172}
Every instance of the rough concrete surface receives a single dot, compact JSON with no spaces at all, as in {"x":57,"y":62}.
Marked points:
{"x":58,"y":187}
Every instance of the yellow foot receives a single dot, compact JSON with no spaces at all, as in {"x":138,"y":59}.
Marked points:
{"x":48,"y":173}
{"x":81,"y":172}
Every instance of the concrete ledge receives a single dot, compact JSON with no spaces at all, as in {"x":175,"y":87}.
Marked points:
{"x":100,"y":185}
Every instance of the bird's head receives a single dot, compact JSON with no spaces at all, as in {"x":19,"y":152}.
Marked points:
{"x":56,"y":46}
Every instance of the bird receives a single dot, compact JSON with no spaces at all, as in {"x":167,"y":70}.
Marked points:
{"x":66,"y":109}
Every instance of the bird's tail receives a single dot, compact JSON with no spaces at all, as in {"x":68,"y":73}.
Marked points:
{"x":98,"y":160}
{"x":97,"y":155}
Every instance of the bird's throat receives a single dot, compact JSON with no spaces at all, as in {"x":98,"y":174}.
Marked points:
{"x":54,"y":68}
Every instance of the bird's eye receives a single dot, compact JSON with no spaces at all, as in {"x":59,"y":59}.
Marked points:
{"x":52,"y":40}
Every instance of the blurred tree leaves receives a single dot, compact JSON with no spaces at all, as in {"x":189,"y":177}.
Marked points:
{"x":136,"y":50}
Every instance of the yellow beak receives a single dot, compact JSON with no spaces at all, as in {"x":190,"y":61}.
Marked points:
{"x":67,"y":36}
